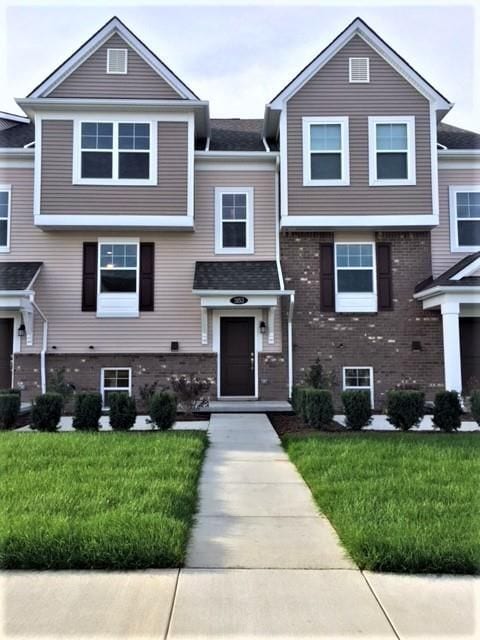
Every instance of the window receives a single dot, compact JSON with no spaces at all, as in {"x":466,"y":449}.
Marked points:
{"x":234,"y":220}
{"x":117,"y":61}
{"x":355,"y":277}
{"x":114,"y":381}
{"x":325,"y":152}
{"x":391,"y":150}
{"x":4,"y":218}
{"x":465,"y":218}
{"x":118,"y":281}
{"x":358,"y":379}
{"x":116,"y":153}
{"x":359,"y":70}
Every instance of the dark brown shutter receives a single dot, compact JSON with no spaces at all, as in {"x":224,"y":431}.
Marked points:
{"x":89,"y":284}
{"x":147,"y":270}
{"x":327,"y":277}
{"x":384,"y":276}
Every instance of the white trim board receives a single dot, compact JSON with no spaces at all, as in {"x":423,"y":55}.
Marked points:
{"x":7,"y":188}
{"x":249,"y":220}
{"x":307,"y":123}
{"x":111,"y":221}
{"x":453,"y":190}
{"x":320,"y":221}
{"x":373,"y":179}
{"x":469,"y":270}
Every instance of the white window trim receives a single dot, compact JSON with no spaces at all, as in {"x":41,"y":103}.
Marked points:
{"x":308,"y":181}
{"x":7,"y":188}
{"x":370,"y":388}
{"x":219,"y":248}
{"x":77,"y":153}
{"x":350,"y":78}
{"x":117,"y":73}
{"x":121,"y":313}
{"x":372,"y":151}
{"x":342,"y":296}
{"x":119,"y":389}
{"x":454,"y":245}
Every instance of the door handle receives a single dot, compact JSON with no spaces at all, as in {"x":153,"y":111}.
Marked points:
{"x":252,"y":361}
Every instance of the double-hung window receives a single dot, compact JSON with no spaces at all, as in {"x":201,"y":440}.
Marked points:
{"x":325,"y":151}
{"x":4,"y":218}
{"x":465,"y":218}
{"x":115,"y":153}
{"x":358,"y":379}
{"x":391,"y":150}
{"x":115,"y":381}
{"x":355,"y":277}
{"x":234,"y":220}
{"x":118,"y":278}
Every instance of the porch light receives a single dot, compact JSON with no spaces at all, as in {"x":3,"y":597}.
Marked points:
{"x":263,"y":327}
{"x":21,"y":331}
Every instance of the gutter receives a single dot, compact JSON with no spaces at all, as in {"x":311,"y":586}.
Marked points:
{"x":290,"y":344}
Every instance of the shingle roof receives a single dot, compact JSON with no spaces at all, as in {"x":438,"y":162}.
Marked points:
{"x":17,"y":136}
{"x":456,"y":138}
{"x":444,"y":280}
{"x":247,"y":275}
{"x":16,"y":276}
{"x":236,"y":134}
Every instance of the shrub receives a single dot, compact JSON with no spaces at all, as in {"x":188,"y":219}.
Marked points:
{"x":9,"y":408}
{"x":447,"y":411}
{"x":163,"y":409}
{"x":317,"y":378}
{"x":358,"y":409}
{"x":146,"y":392}
{"x":475,"y":405}
{"x":9,"y":391}
{"x":405,"y":408}
{"x":87,"y":411}
{"x":318,"y":407}
{"x":123,"y":411}
{"x":191,"y":392}
{"x":47,"y":411}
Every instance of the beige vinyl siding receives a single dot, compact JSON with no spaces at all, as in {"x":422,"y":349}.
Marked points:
{"x":60,"y":196}
{"x":91,"y":80}
{"x":329,"y":93}
{"x":177,"y":311}
{"x":442,"y":256}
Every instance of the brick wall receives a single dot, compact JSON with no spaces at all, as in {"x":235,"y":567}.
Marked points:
{"x":380,"y":340}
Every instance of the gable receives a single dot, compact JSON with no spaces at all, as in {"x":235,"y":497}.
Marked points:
{"x":91,"y":80}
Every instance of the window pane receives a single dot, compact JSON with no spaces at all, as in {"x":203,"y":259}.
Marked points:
{"x":134,"y":165}
{"x":468,"y":205}
{"x":392,"y":136}
{"x":326,"y":166}
{"x":96,"y":164}
{"x":118,"y":280}
{"x":97,"y":135}
{"x":392,"y":166}
{"x":3,"y":233}
{"x":355,"y":281}
{"x":357,"y":377}
{"x":325,"y":137}
{"x":469,"y":233}
{"x":354,"y":255}
{"x":134,"y":136}
{"x":235,"y":234}
{"x":234,"y":206}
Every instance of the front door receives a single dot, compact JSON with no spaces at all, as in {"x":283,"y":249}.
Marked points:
{"x":6,"y":347}
{"x":237,"y":356}
{"x":470,"y":353}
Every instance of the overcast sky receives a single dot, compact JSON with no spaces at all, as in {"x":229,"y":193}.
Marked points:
{"x":239,"y":57}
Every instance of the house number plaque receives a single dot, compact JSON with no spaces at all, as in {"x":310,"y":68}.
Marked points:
{"x":239,"y":300}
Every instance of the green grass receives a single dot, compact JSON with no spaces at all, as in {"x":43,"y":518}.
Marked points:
{"x":399,"y":502}
{"x":104,"y":501}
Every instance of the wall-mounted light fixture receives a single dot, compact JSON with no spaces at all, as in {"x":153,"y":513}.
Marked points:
{"x":21,"y":331}
{"x":263,"y":327}
{"x":174,"y":346}
{"x":91,"y":347}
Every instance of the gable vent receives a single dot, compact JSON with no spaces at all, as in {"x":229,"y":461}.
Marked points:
{"x":117,"y":60}
{"x":359,"y":70}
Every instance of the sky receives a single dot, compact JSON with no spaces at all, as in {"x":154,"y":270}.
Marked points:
{"x":239,"y":55}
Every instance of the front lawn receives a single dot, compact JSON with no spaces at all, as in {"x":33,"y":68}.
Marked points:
{"x":399,"y":502}
{"x":104,"y":501}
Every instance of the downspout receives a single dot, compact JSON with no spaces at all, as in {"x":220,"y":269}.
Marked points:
{"x":43,"y":372}
{"x":265,"y":144}
{"x":290,"y":345}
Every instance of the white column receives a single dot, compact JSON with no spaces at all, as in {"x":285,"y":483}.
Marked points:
{"x":451,"y":346}
{"x":204,"y":313}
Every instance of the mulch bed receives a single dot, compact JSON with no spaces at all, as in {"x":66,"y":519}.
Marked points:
{"x":289,"y":423}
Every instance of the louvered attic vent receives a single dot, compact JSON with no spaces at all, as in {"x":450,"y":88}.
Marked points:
{"x":359,"y":70}
{"x":117,"y":60}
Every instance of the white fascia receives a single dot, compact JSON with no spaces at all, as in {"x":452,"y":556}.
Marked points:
{"x":107,"y":221}
{"x":16,"y":158}
{"x":320,"y":221}
{"x":468,"y":270}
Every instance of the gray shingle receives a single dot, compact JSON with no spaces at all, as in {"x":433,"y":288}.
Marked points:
{"x":251,"y":275}
{"x":16,"y":276}
{"x":17,"y":136}
{"x":456,"y":138}
{"x":444,"y":280}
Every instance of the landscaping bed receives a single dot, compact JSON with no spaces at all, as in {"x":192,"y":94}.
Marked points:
{"x":399,"y":502}
{"x":86,"y":501}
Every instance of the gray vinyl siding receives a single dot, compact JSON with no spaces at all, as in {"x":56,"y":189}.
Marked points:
{"x":442,"y":256}
{"x":60,"y":196}
{"x":177,"y":311}
{"x":91,"y":80}
{"x":329,"y":93}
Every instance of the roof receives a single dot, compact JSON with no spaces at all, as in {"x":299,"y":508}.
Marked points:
{"x":457,"y":138}
{"x":17,"y":136}
{"x":246,"y":275}
{"x":445,"y":279}
{"x":235,"y":134}
{"x":17,"y":276}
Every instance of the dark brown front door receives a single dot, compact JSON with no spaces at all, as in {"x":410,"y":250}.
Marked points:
{"x":237,"y":356}
{"x":470,"y":353}
{"x":6,"y":346}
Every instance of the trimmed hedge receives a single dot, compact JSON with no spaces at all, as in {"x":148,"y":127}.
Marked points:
{"x":405,"y":408}
{"x":87,"y":411}
{"x":318,"y":407}
{"x":9,"y":391}
{"x":47,"y":411}
{"x":358,"y":409}
{"x":163,"y":409}
{"x":9,"y":409}
{"x":123,"y":411}
{"x":475,"y":405}
{"x":447,"y":411}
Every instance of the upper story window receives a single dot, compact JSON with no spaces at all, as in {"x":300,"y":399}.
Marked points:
{"x":325,"y":152}
{"x":391,"y":150}
{"x":465,"y":218}
{"x":4,"y":218}
{"x":234,"y":220}
{"x":117,"y":61}
{"x":115,"y":153}
{"x":118,"y":279}
{"x":355,"y":277}
{"x":359,"y":70}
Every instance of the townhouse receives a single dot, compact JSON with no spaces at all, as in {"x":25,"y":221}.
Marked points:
{"x":139,"y":238}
